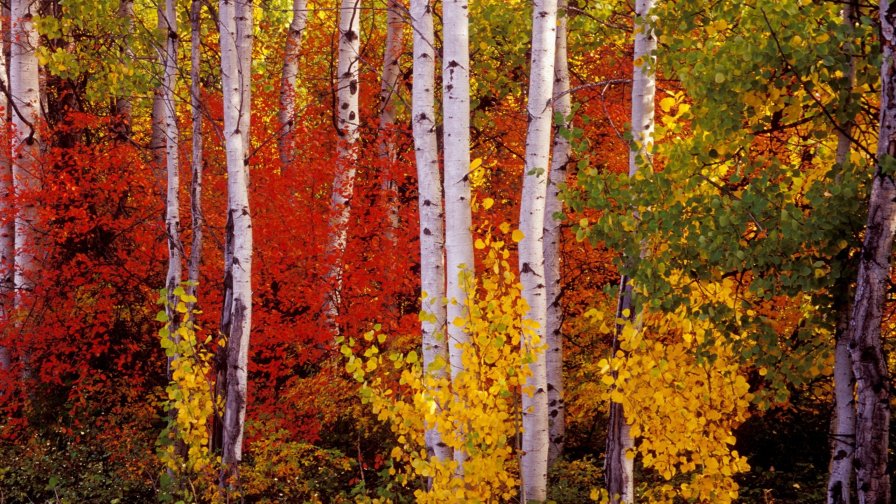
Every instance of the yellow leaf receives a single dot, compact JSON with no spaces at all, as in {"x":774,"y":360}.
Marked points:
{"x":479,"y":244}
{"x":487,"y":203}
{"x":667,"y":103}
{"x":517,"y":236}
{"x":475,"y":164}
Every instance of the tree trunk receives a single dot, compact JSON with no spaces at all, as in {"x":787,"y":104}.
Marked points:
{"x":7,"y":209}
{"x":868,"y":360}
{"x":459,"y":267}
{"x":122,"y":124}
{"x":239,"y":256}
{"x":429,"y":183}
{"x":287,"y":113}
{"x":534,"y":464}
{"x":245,"y":36}
{"x":552,"y":238}
{"x":843,"y":425}
{"x":388,"y":96}
{"x":25,"y":92}
{"x":347,"y":123}
{"x":619,"y":467}
{"x":196,"y":160}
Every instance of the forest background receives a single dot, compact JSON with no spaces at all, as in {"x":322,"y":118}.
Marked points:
{"x":736,"y":223}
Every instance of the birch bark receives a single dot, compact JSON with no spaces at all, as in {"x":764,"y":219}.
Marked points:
{"x":7,"y":209}
{"x":347,"y":122}
{"x":459,"y":266}
{"x":534,"y":464}
{"x":619,"y":467}
{"x":388,"y":96}
{"x":843,"y":426}
{"x":429,"y":182}
{"x":552,"y":237}
{"x":25,"y":93}
{"x":288,"y":79}
{"x":123,"y":104}
{"x":868,"y":361}
{"x":239,"y":254}
{"x":196,"y":160}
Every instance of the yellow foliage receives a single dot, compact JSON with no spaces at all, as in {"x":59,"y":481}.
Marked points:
{"x":477,"y":414}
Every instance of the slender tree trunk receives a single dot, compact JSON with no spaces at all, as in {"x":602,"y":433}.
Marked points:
{"x":239,"y":254}
{"x":429,"y":183}
{"x":25,"y":93}
{"x":245,"y":37}
{"x":123,"y":106}
{"x":388,"y":97}
{"x":843,"y":426}
{"x":287,"y":113}
{"x":157,"y":142}
{"x":347,"y":123}
{"x":868,"y":359}
{"x":7,"y":209}
{"x":196,"y":160}
{"x":534,"y":465}
{"x":168,"y":59}
{"x":619,"y":467}
{"x":552,"y":237}
{"x":459,"y":267}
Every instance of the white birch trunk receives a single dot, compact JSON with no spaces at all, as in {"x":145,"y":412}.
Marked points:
{"x":245,"y":35}
{"x":7,"y":228}
{"x":388,"y":96}
{"x":195,"y":260}
{"x":429,"y":183}
{"x":123,"y":103}
{"x":24,"y":89}
{"x":534,"y":464}
{"x":288,"y":79}
{"x":459,"y":266}
{"x":868,"y":360}
{"x":239,"y":256}
{"x":843,"y":426}
{"x":347,"y":123}
{"x":619,"y":467}
{"x":168,"y":59}
{"x":552,"y":237}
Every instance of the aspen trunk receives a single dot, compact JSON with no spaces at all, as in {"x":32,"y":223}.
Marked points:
{"x":196,"y":160}
{"x":245,"y":36}
{"x":459,"y":267}
{"x":868,"y":360}
{"x":843,"y":426}
{"x":123,"y":103}
{"x":24,"y":89}
{"x":388,"y":94}
{"x":619,"y":467}
{"x":7,"y":226}
{"x":429,"y":183}
{"x":288,"y":79}
{"x":552,"y":237}
{"x":238,"y":257}
{"x":534,"y":464}
{"x":347,"y":123}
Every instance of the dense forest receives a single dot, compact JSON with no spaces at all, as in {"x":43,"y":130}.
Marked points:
{"x":447,"y":251}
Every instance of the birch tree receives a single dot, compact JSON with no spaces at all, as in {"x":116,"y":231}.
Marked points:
{"x":556,"y":179}
{"x":238,"y":252}
{"x":7,"y":224}
{"x":843,"y":425}
{"x":388,"y":96}
{"x":196,"y":160}
{"x":459,"y":266}
{"x":429,"y":182}
{"x":347,"y":120}
{"x":868,"y":360}
{"x":24,"y":90}
{"x":288,"y":79}
{"x":123,"y":104}
{"x":619,"y":467}
{"x":534,"y":463}
{"x":245,"y":36}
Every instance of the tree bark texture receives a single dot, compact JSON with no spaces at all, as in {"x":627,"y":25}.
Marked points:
{"x":196,"y":159}
{"x":560,"y":158}
{"x":535,"y":440}
{"x":429,"y":182}
{"x":239,"y":257}
{"x":288,"y":81}
{"x":868,"y":360}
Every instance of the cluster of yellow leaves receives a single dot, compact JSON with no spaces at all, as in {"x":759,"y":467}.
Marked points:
{"x":189,"y":392}
{"x":477,"y":413}
{"x":683,"y":392}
